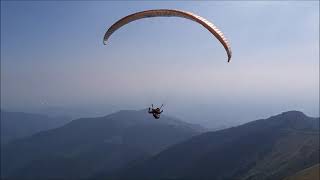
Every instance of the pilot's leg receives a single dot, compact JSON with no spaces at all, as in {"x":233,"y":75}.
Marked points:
{"x":155,"y":116}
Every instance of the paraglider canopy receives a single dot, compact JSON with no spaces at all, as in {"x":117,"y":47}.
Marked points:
{"x":171,"y":13}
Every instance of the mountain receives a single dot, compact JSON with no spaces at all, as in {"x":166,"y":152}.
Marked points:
{"x":18,"y":124}
{"x":311,"y":173}
{"x":267,"y":149}
{"x":90,"y":145}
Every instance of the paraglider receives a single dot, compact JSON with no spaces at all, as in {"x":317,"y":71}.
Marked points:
{"x":155,"y":111}
{"x":169,"y":13}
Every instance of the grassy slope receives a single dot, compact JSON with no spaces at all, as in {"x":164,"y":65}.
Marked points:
{"x":311,"y":173}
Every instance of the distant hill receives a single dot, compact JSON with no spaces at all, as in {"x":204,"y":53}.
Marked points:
{"x":18,"y":124}
{"x":267,"y":149}
{"x":90,"y":145}
{"x":311,"y":173}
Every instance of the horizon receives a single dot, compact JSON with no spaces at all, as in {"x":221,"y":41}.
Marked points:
{"x":53,"y":59}
{"x":216,"y":126}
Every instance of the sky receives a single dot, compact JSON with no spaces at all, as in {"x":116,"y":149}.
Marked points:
{"x":52,"y":57}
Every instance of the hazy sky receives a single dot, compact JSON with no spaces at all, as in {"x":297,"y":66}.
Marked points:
{"x":52,"y":55}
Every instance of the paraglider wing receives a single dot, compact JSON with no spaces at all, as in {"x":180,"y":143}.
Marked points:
{"x":169,"y":13}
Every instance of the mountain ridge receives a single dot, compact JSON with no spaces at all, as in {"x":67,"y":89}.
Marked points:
{"x":264,"y":149}
{"x":16,"y":125}
{"x":125,"y":135}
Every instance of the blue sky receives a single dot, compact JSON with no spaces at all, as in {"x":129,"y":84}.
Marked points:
{"x":52,"y":56}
